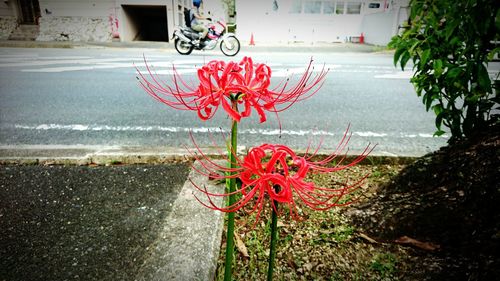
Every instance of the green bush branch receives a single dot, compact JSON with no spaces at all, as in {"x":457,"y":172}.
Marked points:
{"x":450,"y":44}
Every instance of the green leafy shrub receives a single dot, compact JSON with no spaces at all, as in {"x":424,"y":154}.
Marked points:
{"x":450,"y":44}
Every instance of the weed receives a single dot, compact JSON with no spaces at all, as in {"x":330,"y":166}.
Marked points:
{"x":114,"y":162}
{"x":384,"y":264}
{"x":343,"y":233}
{"x":376,"y":174}
{"x":336,"y":277}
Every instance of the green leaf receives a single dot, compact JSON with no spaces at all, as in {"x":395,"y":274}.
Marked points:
{"x":458,"y":85}
{"x":439,"y":120}
{"x":454,"y":72}
{"x":483,"y":78}
{"x":450,"y":28}
{"x":398,"y":53}
{"x":416,"y":43}
{"x":497,"y":19}
{"x":425,"y":57}
{"x":404,"y":59}
{"x":428,"y":99}
{"x":438,"y":67}
{"x":493,"y":52}
{"x":472,"y":99}
{"x":438,"y":109}
{"x":393,"y":44}
{"x":439,"y":133}
{"x":454,"y":41}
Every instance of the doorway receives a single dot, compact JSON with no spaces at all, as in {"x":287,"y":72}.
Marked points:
{"x":29,"y":11}
{"x":146,"y":23}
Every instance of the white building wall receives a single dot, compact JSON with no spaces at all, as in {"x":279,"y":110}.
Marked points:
{"x":378,"y":28}
{"x":77,"y":20}
{"x":274,"y":21}
{"x":75,"y":8}
{"x":266,"y":23}
{"x":74,"y":20}
{"x":8,"y":19}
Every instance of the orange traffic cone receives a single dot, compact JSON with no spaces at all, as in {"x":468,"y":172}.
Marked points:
{"x":252,"y":43}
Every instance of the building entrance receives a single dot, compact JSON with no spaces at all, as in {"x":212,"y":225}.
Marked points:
{"x":145,"y":23}
{"x":29,"y":11}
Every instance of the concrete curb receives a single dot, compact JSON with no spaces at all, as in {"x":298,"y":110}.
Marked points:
{"x":188,"y":246}
{"x":116,"y":155}
{"x":97,"y":155}
{"x":86,"y":155}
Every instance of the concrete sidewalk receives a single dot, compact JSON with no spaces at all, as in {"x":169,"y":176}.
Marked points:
{"x":169,"y":47}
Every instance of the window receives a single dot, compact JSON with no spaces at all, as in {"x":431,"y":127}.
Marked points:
{"x":374,"y":5}
{"x":312,"y":7}
{"x":340,"y":8}
{"x":296,"y":7}
{"x":353,"y":8}
{"x":328,"y":7}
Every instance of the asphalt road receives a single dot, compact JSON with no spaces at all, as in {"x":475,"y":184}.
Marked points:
{"x":81,"y":222}
{"x":91,"y":97}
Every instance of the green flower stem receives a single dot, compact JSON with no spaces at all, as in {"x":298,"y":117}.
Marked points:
{"x":274,"y":240}
{"x":232,"y":200}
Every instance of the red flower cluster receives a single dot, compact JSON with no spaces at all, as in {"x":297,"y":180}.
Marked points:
{"x":223,"y":84}
{"x":277,"y":172}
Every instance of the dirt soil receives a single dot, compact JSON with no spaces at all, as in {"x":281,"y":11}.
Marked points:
{"x":450,"y":199}
{"x":433,"y":219}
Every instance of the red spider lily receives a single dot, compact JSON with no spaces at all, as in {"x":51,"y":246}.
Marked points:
{"x":276,"y":172}
{"x":229,"y":84}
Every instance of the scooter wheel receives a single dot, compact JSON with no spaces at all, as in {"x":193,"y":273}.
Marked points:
{"x":230,"y":46}
{"x":182,"y":47}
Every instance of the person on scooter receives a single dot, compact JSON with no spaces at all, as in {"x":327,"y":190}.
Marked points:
{"x":196,"y":21}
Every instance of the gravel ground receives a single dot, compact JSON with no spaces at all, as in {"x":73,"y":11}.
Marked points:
{"x":82,"y":223}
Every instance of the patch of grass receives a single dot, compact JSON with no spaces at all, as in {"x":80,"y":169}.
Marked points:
{"x":384,"y":264}
{"x":343,"y":233}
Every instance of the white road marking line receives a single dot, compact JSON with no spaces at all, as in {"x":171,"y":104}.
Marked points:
{"x":172,"y":129}
{"x":77,"y":68}
{"x":406,"y":75}
{"x":169,"y":71}
{"x":69,"y":61}
{"x":377,"y":67}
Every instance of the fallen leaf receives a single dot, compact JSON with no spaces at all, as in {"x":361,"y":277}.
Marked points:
{"x":308,"y":266}
{"x":405,"y":240}
{"x":241,"y":246}
{"x":291,"y":262}
{"x":367,"y":238}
